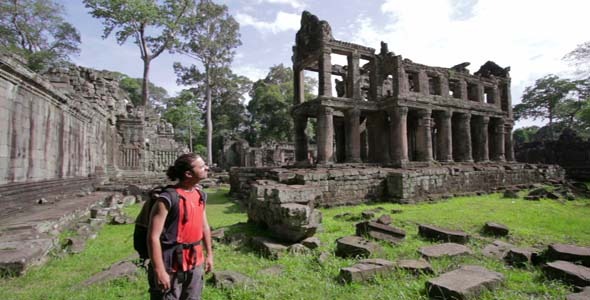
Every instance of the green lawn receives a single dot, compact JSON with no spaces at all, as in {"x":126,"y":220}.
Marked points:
{"x":531,"y":223}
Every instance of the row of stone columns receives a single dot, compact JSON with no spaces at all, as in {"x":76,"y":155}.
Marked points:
{"x":456,"y":140}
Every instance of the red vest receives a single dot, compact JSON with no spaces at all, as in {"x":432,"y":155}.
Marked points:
{"x":190,"y":230}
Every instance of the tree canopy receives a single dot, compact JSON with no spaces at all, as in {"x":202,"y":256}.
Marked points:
{"x":36,"y":30}
{"x":152,"y":24}
{"x":210,"y":37}
{"x":580,"y":58}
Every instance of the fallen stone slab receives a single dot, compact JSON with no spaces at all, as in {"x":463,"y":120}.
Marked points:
{"x":218,"y":235}
{"x":571,"y":253}
{"x":365,"y":270}
{"x":384,"y":219}
{"x":568,"y":272}
{"x":519,"y":257}
{"x":117,"y":270}
{"x":75,"y":245}
{"x":583,"y":295}
{"x":497,"y":249}
{"x":446,"y":249}
{"x":355,"y":246}
{"x":380,"y":231}
{"x":511,"y":194}
{"x":495,"y":229}
{"x":467,"y":282}
{"x":230,"y":279}
{"x":311,"y":242}
{"x":268,"y":248}
{"x":298,"y":249}
{"x":415,"y":266}
{"x":435,"y":233}
{"x":17,"y":256}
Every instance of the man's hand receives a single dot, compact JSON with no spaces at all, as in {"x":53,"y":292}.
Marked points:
{"x":209,"y":263}
{"x":163,"y":280}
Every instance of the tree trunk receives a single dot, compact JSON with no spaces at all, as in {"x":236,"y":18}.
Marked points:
{"x":190,"y":131}
{"x":145,"y":91}
{"x":209,"y":121}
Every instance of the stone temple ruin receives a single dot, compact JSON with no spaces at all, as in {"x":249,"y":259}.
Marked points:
{"x":395,"y":130}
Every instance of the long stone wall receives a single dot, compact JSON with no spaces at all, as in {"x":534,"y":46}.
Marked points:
{"x":283,"y":200}
{"x":45,"y":134}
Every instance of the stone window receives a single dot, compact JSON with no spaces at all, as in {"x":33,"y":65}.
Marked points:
{"x":472,"y":93}
{"x":455,"y":88}
{"x":388,"y":86}
{"x":488,"y":95}
{"x":434,"y":84}
{"x":413,"y":81}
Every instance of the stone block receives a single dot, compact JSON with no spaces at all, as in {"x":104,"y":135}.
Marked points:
{"x":354,"y":246}
{"x":117,"y":270}
{"x":446,"y":249}
{"x":496,"y":249}
{"x":568,"y":272}
{"x":311,"y":242}
{"x":467,"y":282}
{"x":420,"y":266}
{"x":571,"y":253}
{"x":230,"y":279}
{"x":268,"y":248}
{"x":521,"y":256}
{"x":365,"y":270}
{"x":442,"y":234}
{"x":380,"y":232}
{"x":495,"y":229}
{"x":583,"y":295}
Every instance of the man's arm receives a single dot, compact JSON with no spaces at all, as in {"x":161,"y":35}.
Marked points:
{"x":208,"y":244}
{"x":156,"y":226}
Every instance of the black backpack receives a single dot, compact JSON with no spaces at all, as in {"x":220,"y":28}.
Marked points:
{"x":140,"y":233}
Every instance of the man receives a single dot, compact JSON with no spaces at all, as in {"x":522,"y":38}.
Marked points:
{"x":177,"y":227}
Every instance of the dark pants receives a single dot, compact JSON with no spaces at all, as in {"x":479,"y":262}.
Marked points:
{"x":189,"y":289}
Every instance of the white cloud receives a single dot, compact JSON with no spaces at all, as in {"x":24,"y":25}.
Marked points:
{"x":293,"y":3}
{"x":283,"y":22}
{"x":531,"y":36}
{"x":250,"y":71}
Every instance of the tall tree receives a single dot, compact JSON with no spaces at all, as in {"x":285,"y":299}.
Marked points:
{"x":152,"y":24}
{"x":185,"y":116}
{"x":541,"y":100}
{"x":210,"y":38}
{"x":36,"y":30}
{"x":133,"y":86}
{"x":269,"y":108}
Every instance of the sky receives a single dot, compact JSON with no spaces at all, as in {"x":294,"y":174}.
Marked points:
{"x":530,"y":36}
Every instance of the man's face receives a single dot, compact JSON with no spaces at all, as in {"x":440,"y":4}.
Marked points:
{"x":200,"y":169}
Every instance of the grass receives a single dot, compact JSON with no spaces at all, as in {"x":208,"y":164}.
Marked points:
{"x":531,"y":223}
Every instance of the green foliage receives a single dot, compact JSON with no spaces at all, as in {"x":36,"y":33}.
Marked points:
{"x":158,"y":95}
{"x":304,"y":278}
{"x":36,"y":30}
{"x":153,"y":25}
{"x":182,"y":112}
{"x":269,"y":108}
{"x":210,"y":37}
{"x":525,"y":134}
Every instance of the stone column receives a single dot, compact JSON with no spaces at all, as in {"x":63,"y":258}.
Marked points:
{"x":462,"y":140}
{"x":372,"y":130}
{"x":463,"y":89}
{"x":509,"y":143}
{"x":301,"y":147}
{"x":445,"y":137}
{"x":354,"y":76}
{"x":398,"y":143}
{"x":298,"y":85}
{"x":325,"y":135}
{"x":485,"y":151}
{"x":325,"y":73}
{"x":353,"y":135}
{"x":498,"y":154}
{"x":424,"y":143}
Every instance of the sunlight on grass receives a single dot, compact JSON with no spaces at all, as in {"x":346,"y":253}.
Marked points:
{"x":531,"y":224}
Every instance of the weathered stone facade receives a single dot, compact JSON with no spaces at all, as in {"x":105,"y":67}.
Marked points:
{"x":239,"y":153}
{"x":72,"y":123}
{"x":395,"y":112}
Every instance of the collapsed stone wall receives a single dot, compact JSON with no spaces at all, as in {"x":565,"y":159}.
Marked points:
{"x":284,"y":199}
{"x":570,"y":152}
